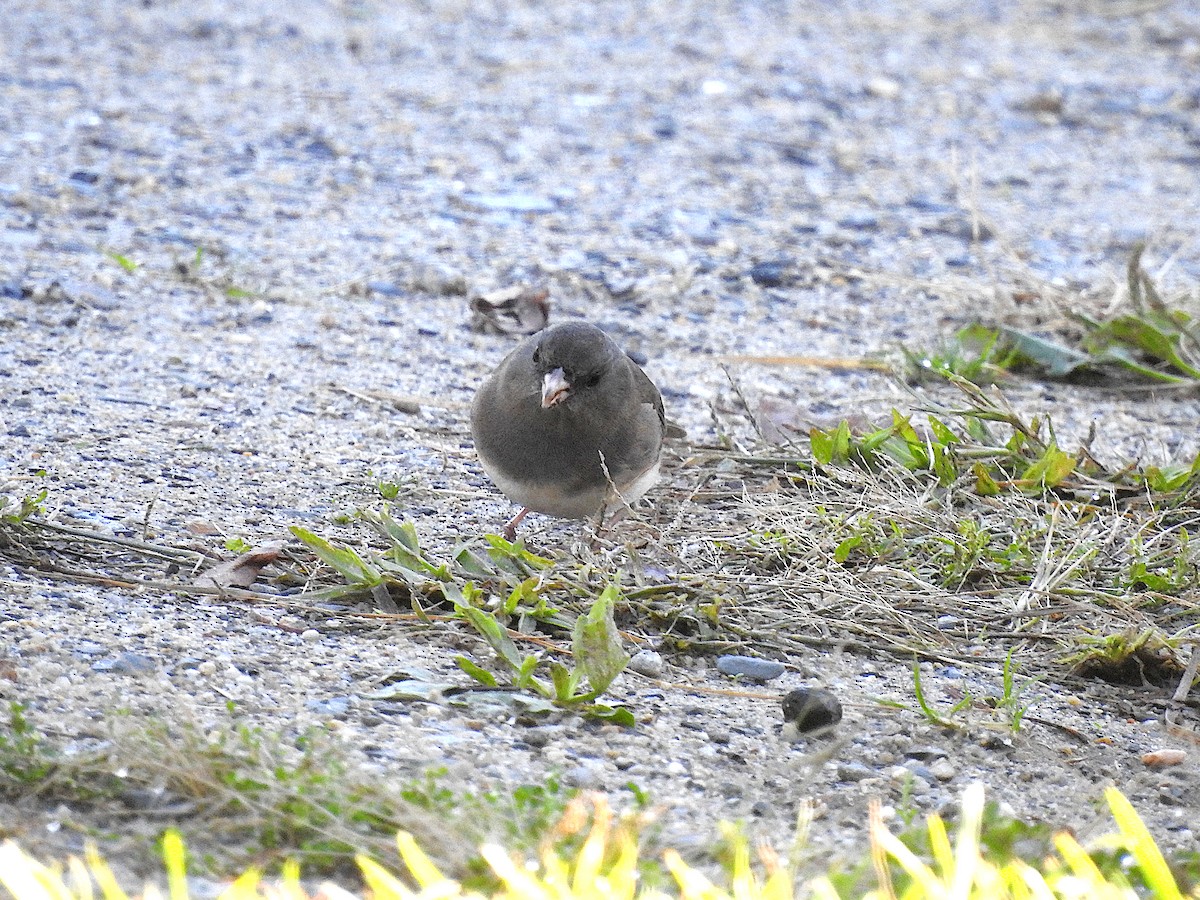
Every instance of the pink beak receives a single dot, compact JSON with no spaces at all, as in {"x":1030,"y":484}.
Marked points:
{"x":555,"y":388}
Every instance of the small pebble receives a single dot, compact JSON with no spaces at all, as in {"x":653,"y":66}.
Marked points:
{"x":750,"y":667}
{"x":648,"y":663}
{"x":853,"y":771}
{"x":810,"y":709}
{"x":541,"y":735}
{"x":126,"y":664}
{"x":333,"y":706}
{"x":587,"y":777}
{"x":883,"y":88}
{"x":925,"y":753}
{"x":943,"y":769}
{"x":310,"y":636}
{"x":1157,"y":759}
{"x":769,"y":274}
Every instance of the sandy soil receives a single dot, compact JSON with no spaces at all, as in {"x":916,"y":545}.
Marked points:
{"x":312,"y":191}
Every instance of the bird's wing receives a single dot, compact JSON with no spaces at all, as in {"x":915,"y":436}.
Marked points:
{"x":647,"y":392}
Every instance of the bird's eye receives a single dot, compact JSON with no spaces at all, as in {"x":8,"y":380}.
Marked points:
{"x":537,"y":356}
{"x":590,"y":380}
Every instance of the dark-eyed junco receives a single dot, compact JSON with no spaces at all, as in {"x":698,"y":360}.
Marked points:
{"x":564,"y":419}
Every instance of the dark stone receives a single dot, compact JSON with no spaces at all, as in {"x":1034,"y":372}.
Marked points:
{"x":769,"y":274}
{"x":750,"y":667}
{"x":811,"y":709}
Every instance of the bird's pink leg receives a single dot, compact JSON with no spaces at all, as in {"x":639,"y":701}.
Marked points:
{"x":510,"y":527}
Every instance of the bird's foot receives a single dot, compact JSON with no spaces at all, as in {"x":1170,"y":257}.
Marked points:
{"x":510,"y":527}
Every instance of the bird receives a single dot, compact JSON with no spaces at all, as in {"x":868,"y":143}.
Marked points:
{"x":568,"y":423}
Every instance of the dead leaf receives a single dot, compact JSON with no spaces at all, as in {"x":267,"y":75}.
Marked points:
{"x":241,"y":572}
{"x":512,"y":310}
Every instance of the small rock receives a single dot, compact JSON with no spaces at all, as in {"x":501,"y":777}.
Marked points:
{"x":586,"y":777}
{"x":883,"y":88}
{"x":385,"y":288}
{"x":334,"y":706}
{"x":943,"y":769}
{"x":995,"y":742}
{"x":664,"y":127}
{"x":1157,"y":759}
{"x":750,"y":667}
{"x":919,"y":786}
{"x":859,"y":221}
{"x":925,"y":753}
{"x":810,"y":709}
{"x":541,"y":735}
{"x":922,"y":772}
{"x":853,"y":771}
{"x":769,"y":274}
{"x":648,"y":663}
{"x":126,"y":664}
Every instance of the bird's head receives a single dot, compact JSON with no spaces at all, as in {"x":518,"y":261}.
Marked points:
{"x":571,"y":360}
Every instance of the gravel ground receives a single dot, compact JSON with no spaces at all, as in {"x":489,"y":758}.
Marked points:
{"x":312,"y":191}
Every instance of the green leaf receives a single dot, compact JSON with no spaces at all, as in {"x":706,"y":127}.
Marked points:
{"x":30,"y":505}
{"x":471,"y":563}
{"x":985,"y":485}
{"x":403,"y":534}
{"x":942,"y":432}
{"x":908,"y":448}
{"x":615,"y":715}
{"x":821,"y":443}
{"x":343,"y":560}
{"x":943,"y":465}
{"x":1123,"y":357}
{"x":480,"y":674}
{"x":1050,"y":471}
{"x":462,"y":595}
{"x":596,"y":642}
{"x":495,"y":634}
{"x":829,"y":447}
{"x":1158,"y":340}
{"x":405,"y":549}
{"x":843,"y":550}
{"x":526,"y":591}
{"x":524,"y":674}
{"x":566,"y":682}
{"x":870,"y":444}
{"x":841,"y":442}
{"x":1141,"y":845}
{"x":124,"y":262}
{"x":504,"y":549}
{"x":1053,"y":358}
{"x":1170,"y":478}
